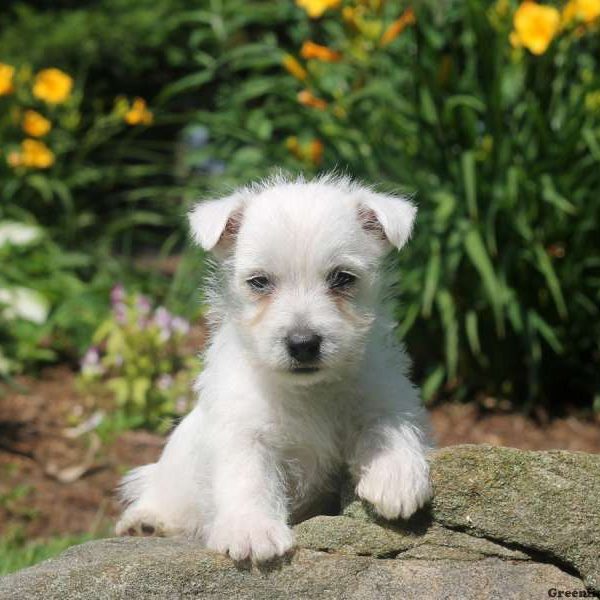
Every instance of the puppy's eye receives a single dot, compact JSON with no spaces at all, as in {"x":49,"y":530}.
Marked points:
{"x":260,"y":284}
{"x":340,"y":280}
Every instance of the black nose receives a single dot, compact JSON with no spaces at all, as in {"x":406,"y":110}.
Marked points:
{"x":303,"y":345}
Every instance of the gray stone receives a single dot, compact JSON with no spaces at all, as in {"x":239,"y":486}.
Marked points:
{"x":504,"y":523}
{"x":139,"y":569}
{"x":544,"y":503}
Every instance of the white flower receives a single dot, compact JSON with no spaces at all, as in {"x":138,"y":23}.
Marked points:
{"x":18,"y":234}
{"x":23,"y":303}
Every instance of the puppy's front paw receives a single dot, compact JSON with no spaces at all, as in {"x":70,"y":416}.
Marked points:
{"x":396,"y":485}
{"x":255,"y":537}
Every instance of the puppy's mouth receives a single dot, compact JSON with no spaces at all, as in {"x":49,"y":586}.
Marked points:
{"x":304,"y":370}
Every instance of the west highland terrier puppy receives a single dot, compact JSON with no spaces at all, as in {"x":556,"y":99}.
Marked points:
{"x":302,"y":377}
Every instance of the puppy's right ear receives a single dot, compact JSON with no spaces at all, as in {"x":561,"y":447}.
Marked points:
{"x":215,"y":223}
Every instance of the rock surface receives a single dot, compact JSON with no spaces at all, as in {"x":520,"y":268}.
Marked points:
{"x":503,"y":524}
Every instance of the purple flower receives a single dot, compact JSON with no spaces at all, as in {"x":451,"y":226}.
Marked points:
{"x":117,"y":294}
{"x":163,"y":320}
{"x":181,"y":405}
{"x":90,"y":363}
{"x":143,"y":304}
{"x":180,"y":326}
{"x":164,"y":382}
{"x":162,"y":317}
{"x":91,"y":357}
{"x":120,"y":312}
{"x":143,"y":322}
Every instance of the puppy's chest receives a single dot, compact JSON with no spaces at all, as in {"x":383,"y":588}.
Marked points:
{"x":312,"y":442}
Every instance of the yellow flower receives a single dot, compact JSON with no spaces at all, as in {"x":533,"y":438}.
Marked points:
{"x":6,"y":79}
{"x":292,"y":66}
{"x":138,"y":113}
{"x":535,"y":26}
{"x":307,"y":98}
{"x":398,"y":26}
{"x":581,"y":10}
{"x":316,"y":8}
{"x":52,"y":86}
{"x":35,"y":124}
{"x":34,"y":154}
{"x":311,"y":50}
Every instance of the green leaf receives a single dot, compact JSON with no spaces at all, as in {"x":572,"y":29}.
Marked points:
{"x":545,"y":267}
{"x":412,"y":312}
{"x":432,"y":277}
{"x":139,"y":390}
{"x":464,"y":100}
{"x":446,"y":203}
{"x":546,"y":331}
{"x":447,"y":311}
{"x":592,"y":142}
{"x":549,"y":194}
{"x":480,"y":259}
{"x":472,"y":329}
{"x":467,"y":161}
{"x":119,"y":386}
{"x":194,"y":81}
{"x":428,"y":109}
{"x":432,"y":384}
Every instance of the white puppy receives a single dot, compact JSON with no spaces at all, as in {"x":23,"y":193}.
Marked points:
{"x":302,"y":377}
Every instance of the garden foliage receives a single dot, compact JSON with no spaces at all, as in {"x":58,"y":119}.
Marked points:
{"x":140,"y":356}
{"x":488,"y":113}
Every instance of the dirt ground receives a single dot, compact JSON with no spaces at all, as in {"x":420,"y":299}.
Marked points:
{"x":54,"y":481}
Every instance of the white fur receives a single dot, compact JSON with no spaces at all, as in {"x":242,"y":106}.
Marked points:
{"x":263,"y":447}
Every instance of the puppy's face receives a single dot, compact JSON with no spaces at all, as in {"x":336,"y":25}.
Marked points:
{"x":301,"y":263}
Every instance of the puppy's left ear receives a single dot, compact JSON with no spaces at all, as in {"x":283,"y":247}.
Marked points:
{"x":387,"y":217}
{"x":215,"y":223}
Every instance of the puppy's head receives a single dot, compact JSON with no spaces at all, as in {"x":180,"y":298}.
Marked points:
{"x":301,"y":269}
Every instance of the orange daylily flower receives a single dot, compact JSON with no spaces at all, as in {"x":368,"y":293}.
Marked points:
{"x":294,"y":68}
{"x":316,"y":149}
{"x":138,"y":114}
{"x":311,"y":50}
{"x":398,"y":26}
{"x":307,"y":98}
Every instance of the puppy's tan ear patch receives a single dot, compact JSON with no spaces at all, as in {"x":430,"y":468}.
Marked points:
{"x":370,"y":223}
{"x":387,"y":217}
{"x":214,"y":224}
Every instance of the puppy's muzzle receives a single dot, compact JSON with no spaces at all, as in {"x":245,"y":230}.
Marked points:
{"x":304,"y":347}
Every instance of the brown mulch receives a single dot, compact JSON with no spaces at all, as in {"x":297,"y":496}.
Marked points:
{"x":36,"y":452}
{"x":34,"y":449}
{"x":471,"y":424}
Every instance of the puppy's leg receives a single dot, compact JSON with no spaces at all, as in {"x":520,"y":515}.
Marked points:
{"x":139,"y":518}
{"x":250,"y":508}
{"x":166,"y":498}
{"x":390,"y":467}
